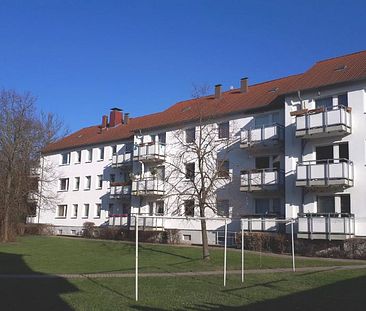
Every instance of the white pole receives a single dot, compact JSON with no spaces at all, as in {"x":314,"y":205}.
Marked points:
{"x":242,"y":251}
{"x":293,"y":246}
{"x":137,"y":257}
{"x":225,"y":247}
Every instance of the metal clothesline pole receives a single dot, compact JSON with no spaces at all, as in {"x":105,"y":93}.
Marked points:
{"x":242,"y":250}
{"x":293,"y":246}
{"x":137,"y":257}
{"x":225,"y":248}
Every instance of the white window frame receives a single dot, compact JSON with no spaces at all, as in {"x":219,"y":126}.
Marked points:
{"x":78,"y":157}
{"x":86,"y":209}
{"x":76,"y":183}
{"x":75,"y":208}
{"x":87,"y":185}
{"x":67,"y":154}
{"x":89,"y":156}
{"x":66,"y":185}
{"x":99,"y":182}
{"x":98,"y":208}
{"x":64,"y":214}
{"x":101,"y":154}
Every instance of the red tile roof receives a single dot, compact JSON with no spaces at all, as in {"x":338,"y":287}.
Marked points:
{"x":332,"y":71}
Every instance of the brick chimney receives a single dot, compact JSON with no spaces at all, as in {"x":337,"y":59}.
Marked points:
{"x":244,"y":85}
{"x":126,"y":119}
{"x":217,"y":90}
{"x":104,"y":121}
{"x":115,"y":117}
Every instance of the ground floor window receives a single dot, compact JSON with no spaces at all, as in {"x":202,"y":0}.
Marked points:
{"x":223,"y":208}
{"x":220,"y":238}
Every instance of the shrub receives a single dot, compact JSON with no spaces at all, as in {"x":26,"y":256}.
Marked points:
{"x":36,"y":229}
{"x":88,"y":229}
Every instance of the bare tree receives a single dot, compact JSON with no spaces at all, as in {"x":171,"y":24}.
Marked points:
{"x":197,"y":165}
{"x":23,"y":133}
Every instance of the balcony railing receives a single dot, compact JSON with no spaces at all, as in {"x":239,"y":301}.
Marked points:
{"x":262,"y":137}
{"x":259,"y":223}
{"x":326,"y":226}
{"x":323,"y":121}
{"x":119,"y":190}
{"x":325,"y":173}
{"x":262,"y":180}
{"x":124,"y":159}
{"x":150,"y":152}
{"x":148,"y":186}
{"x":118,"y":220}
{"x":147,"y":223}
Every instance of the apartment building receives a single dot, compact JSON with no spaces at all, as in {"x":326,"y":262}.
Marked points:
{"x":297,"y":150}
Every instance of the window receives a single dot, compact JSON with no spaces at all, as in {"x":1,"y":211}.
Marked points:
{"x":100,"y":182}
{"x":189,"y":208}
{"x":187,"y":237}
{"x":78,"y":156}
{"x":151,"y":208}
{"x":162,"y":138}
{"x":87,"y":182}
{"x":324,"y":152}
{"x":110,"y":209}
{"x":190,"y":135}
{"x":343,"y":100}
{"x":222,"y":207}
{"x":276,"y":206}
{"x":326,"y":102}
{"x":89,"y":155}
{"x":77,"y":183}
{"x":114,"y":149}
{"x":345,"y":203}
{"x":62,"y":211}
{"x":262,"y":206}
{"x":98,"y":208}
{"x":190,"y":168}
{"x":261,"y":162}
{"x":326,"y":204}
{"x":224,"y":130}
{"x":343,"y":152}
{"x":160,"y":208}
{"x":75,"y":211}
{"x":65,"y":158}
{"x":129,"y":147}
{"x":101,"y":153}
{"x":86,"y":211}
{"x":112,"y":179}
{"x":64,"y":184}
{"x":223,"y":169}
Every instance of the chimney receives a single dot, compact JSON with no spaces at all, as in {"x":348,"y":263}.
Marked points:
{"x":217,"y":90}
{"x":244,"y":85}
{"x":127,"y":118}
{"x":115,"y":117}
{"x":104,"y":121}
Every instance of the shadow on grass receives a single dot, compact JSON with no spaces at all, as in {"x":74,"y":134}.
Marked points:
{"x":30,"y":293}
{"x":341,"y":295}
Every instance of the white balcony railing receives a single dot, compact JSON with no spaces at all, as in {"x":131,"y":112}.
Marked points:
{"x":147,"y":223}
{"x":320,"y":121}
{"x":261,"y":180}
{"x":332,"y":172}
{"x":148,"y":186}
{"x":118,"y":219}
{"x":326,"y":226}
{"x":121,"y":159}
{"x":150,"y":152}
{"x":265,"y":136}
{"x":119,"y":191}
{"x":256,"y":223}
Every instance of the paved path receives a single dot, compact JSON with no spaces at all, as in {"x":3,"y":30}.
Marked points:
{"x":175,"y":274}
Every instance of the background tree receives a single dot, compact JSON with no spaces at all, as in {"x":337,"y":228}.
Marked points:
{"x":197,"y":165}
{"x":23,"y":134}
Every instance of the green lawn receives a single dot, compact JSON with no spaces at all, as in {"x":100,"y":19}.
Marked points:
{"x":62,"y":255}
{"x":331,"y":290}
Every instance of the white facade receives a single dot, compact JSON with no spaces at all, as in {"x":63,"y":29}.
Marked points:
{"x":305,"y":161}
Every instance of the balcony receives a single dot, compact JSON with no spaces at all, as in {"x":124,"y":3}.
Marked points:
{"x":325,"y":173}
{"x":122,"y":220}
{"x":330,"y":226}
{"x":150,"y":152}
{"x":121,"y":160}
{"x":322,"y":122}
{"x":120,"y":190}
{"x":155,"y":224}
{"x":261,"y":224}
{"x":269,"y":136}
{"x":151,"y":186}
{"x":262,"y":180}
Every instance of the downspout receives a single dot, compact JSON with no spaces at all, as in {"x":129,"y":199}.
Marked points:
{"x":40,"y":190}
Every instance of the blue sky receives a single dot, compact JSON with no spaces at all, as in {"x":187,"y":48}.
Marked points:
{"x":80,"y":58}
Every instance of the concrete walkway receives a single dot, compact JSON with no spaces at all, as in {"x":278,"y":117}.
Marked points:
{"x":176,"y":274}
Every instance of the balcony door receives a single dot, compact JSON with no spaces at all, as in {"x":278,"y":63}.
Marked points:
{"x":326,"y":103}
{"x":326,"y":204}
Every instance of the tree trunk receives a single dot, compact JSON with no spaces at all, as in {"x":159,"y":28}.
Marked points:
{"x":5,"y":234}
{"x":205,"y":250}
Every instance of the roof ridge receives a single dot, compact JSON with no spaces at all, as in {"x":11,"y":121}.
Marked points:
{"x":341,"y":56}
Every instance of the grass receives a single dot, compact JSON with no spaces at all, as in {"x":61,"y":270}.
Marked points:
{"x":54,"y":255}
{"x":335,"y":290}
{"x":331,"y":290}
